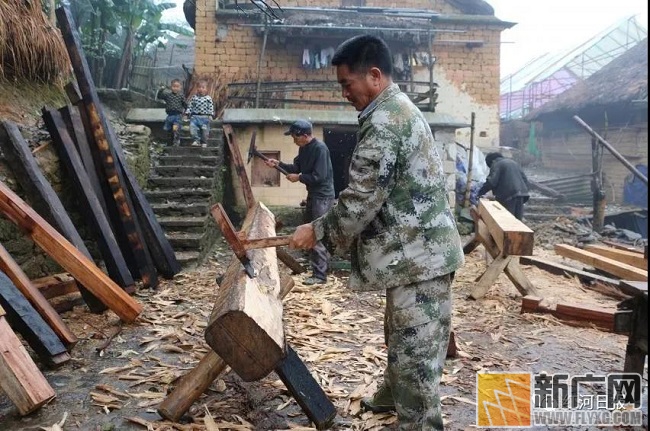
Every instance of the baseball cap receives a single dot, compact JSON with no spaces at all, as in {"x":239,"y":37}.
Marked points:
{"x":299,"y":127}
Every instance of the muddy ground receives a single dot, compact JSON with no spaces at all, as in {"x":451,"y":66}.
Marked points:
{"x":336,"y":332}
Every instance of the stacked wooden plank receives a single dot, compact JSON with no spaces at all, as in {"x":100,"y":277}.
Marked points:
{"x":131,"y":242}
{"x":612,"y":266}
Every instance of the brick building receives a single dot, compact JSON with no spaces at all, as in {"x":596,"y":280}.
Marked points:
{"x":280,"y":61}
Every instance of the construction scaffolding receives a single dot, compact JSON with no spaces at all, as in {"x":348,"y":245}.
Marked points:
{"x":551,"y":74}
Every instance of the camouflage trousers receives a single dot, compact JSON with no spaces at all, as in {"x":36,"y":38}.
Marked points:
{"x":417,"y":325}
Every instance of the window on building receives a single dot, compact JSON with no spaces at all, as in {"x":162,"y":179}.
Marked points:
{"x":262,"y":175}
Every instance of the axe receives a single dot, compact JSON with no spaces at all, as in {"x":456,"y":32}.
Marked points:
{"x":240,"y":244}
{"x":252,"y":152}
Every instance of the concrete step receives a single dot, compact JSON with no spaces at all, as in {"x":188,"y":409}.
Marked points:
{"x":177,"y":195}
{"x":182,"y":224}
{"x":176,"y":183}
{"x":184,"y":171}
{"x":190,"y":151}
{"x":188,"y":160}
{"x":178,"y":209}
{"x":187,"y":259}
{"x":183,"y":241}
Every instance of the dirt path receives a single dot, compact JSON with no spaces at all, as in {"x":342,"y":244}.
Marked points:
{"x":337,"y":333}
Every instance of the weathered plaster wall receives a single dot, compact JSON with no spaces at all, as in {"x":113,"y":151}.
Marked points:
{"x":270,"y":138}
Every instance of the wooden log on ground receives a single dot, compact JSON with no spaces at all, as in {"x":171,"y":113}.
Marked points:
{"x":512,"y":236}
{"x":26,"y":320}
{"x":113,"y":259}
{"x":297,"y":378}
{"x":630,"y":258}
{"x":47,"y":203}
{"x":558,"y":268}
{"x":105,"y":152}
{"x":53,"y":286}
{"x":65,"y":254}
{"x":35,"y":297}
{"x":611,"y":266}
{"x":545,"y":190}
{"x":20,"y":378}
{"x":625,"y":247}
{"x":601,"y":317}
{"x":198,"y":380}
{"x":585,"y":314}
{"x":245,"y":327}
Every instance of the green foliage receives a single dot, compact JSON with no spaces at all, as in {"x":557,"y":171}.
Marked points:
{"x":106,"y":25}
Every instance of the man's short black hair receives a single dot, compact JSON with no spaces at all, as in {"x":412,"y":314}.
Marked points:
{"x":361,"y":53}
{"x":492,"y":157}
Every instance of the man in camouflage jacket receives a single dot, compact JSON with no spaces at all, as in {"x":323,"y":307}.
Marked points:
{"x":396,"y":220}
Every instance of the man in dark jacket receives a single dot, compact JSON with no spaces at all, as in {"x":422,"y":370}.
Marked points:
{"x":313,"y":168}
{"x":508,"y":183}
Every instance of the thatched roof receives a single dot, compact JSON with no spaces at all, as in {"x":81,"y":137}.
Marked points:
{"x":30,"y":47}
{"x":623,"y":80}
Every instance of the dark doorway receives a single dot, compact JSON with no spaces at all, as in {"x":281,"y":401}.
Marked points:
{"x":341,"y":142}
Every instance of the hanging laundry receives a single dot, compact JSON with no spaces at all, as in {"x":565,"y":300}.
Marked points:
{"x":398,"y":62}
{"x":306,"y":58}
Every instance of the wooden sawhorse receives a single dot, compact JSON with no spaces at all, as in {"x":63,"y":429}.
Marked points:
{"x":505,"y":238}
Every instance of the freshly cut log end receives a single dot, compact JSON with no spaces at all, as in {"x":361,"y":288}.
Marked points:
{"x":244,"y":345}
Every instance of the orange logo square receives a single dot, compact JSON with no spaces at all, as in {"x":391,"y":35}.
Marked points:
{"x":503,"y":399}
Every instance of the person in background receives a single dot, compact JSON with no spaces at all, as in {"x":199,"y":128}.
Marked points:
{"x":313,"y":168}
{"x":174,"y":108}
{"x":200,"y":109}
{"x":508,"y":183}
{"x":395,"y":219}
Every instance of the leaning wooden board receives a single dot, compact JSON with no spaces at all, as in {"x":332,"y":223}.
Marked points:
{"x":105,"y":152}
{"x":20,"y":378}
{"x":48,"y":203}
{"x":113,"y":259}
{"x":35,"y":297}
{"x":66,"y":255}
{"x":26,"y":320}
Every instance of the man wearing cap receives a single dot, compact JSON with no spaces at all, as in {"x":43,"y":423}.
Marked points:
{"x":508,"y":183}
{"x":313,"y":168}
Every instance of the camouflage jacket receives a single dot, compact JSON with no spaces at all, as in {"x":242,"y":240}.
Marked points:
{"x":394,"y":216}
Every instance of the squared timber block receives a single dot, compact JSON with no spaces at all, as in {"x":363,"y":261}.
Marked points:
{"x":512,"y":236}
{"x":20,"y":378}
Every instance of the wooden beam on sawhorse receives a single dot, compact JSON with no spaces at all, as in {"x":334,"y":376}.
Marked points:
{"x":513,"y":236}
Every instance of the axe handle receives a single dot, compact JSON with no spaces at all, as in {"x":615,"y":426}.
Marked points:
{"x":263,"y":157}
{"x":273,"y":241}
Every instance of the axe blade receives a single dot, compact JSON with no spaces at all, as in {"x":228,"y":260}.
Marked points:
{"x":251,"y":147}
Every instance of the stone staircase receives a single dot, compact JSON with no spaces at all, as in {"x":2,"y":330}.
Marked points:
{"x":179,"y":191}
